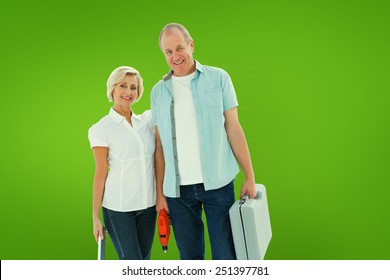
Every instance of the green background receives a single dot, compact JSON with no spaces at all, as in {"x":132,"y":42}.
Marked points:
{"x":312,"y":79}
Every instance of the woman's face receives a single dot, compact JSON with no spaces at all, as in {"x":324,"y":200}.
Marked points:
{"x":126,"y":92}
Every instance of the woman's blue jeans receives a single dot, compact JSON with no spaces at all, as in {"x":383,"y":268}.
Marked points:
{"x":186,"y":217}
{"x":132,"y":233}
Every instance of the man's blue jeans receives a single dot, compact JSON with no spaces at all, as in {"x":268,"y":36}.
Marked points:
{"x":186,"y":216}
{"x":132,"y":232}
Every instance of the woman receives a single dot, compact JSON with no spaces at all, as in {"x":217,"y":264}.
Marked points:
{"x":123,"y":146}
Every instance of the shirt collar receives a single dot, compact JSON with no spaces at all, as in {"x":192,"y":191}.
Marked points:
{"x":198,"y":67}
{"x":117,"y":118}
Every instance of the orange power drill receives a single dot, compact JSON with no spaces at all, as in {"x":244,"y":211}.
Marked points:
{"x":164,"y":229}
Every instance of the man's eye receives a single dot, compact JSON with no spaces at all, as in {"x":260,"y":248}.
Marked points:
{"x":134,"y":88}
{"x":168,"y":52}
{"x":123,"y":86}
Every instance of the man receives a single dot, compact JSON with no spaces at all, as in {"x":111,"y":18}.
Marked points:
{"x":199,"y":138}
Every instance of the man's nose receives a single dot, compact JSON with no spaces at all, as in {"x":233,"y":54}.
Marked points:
{"x":175,"y":55}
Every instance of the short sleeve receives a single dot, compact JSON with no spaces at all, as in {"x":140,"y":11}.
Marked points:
{"x":228,"y":93}
{"x":97,"y":137}
{"x":147,"y":117}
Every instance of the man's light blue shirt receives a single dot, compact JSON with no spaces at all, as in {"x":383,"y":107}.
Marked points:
{"x":212,"y":93}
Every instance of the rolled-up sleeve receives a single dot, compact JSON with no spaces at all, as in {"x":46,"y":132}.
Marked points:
{"x":228,"y":93}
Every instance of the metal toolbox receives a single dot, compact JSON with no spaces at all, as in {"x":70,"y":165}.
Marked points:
{"x":251,"y":225}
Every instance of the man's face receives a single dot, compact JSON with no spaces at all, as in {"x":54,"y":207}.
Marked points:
{"x":177,"y":52}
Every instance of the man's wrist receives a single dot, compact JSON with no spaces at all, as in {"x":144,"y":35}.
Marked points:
{"x":250,"y":177}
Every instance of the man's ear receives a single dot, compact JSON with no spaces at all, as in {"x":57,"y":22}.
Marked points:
{"x":192,"y":46}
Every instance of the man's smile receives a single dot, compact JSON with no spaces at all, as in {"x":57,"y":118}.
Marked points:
{"x":179,"y":62}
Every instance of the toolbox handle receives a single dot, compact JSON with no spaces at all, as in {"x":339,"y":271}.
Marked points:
{"x":244,"y":199}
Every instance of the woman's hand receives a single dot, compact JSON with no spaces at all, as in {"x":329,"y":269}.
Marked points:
{"x":97,"y":229}
{"x":161,"y":202}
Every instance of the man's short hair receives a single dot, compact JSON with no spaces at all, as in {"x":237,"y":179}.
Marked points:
{"x":118,"y":75}
{"x":181,"y":28}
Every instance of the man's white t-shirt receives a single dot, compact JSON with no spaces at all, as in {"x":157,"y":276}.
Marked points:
{"x":187,"y":131}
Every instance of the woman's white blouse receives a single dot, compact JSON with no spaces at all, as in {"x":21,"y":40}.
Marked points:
{"x":130,"y":183}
